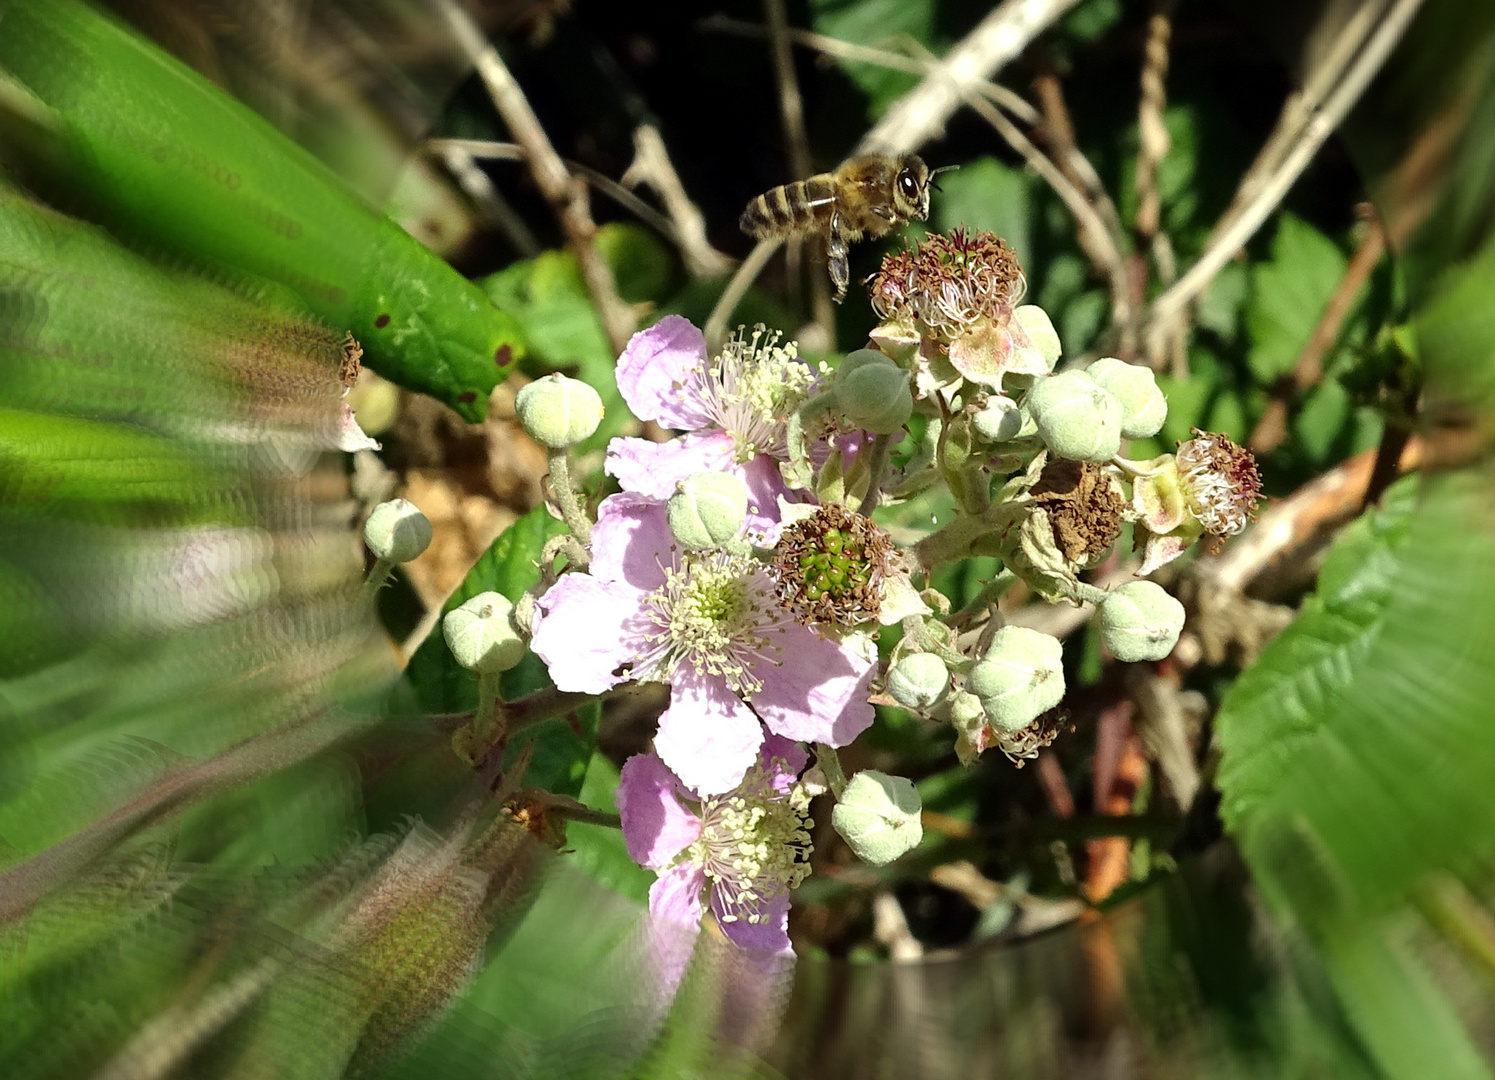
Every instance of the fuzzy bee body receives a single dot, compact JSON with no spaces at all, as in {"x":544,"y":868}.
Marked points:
{"x":865,"y":196}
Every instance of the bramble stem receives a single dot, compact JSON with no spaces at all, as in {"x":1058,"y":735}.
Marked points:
{"x":876,"y":466}
{"x":830,"y":764}
{"x":565,"y":498}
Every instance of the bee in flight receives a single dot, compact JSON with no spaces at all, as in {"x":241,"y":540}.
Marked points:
{"x":865,"y":196}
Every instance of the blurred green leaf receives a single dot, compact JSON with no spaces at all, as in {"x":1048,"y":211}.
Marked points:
{"x":985,"y":194}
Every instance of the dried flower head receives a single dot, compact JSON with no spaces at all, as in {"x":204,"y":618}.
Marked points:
{"x":959,"y":278}
{"x":1084,"y":506}
{"x":1220,"y":480}
{"x":830,"y":567}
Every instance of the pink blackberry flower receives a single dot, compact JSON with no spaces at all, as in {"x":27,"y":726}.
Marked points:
{"x":744,"y":849}
{"x":711,"y":626}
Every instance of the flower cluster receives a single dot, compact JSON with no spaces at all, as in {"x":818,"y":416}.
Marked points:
{"x":739,"y":565}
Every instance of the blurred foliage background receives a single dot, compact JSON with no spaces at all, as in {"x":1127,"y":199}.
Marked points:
{"x":234,"y":839}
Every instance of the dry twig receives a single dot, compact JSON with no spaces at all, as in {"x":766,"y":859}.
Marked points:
{"x":791,"y":108}
{"x":477,"y":187}
{"x":651,"y":165}
{"x":566,"y":194}
{"x":716,"y":324}
{"x":920,"y":115}
{"x":606,"y":185}
{"x":1303,"y":128}
{"x":1271,"y":429}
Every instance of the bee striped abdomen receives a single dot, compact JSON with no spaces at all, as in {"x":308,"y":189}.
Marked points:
{"x":800,"y":207}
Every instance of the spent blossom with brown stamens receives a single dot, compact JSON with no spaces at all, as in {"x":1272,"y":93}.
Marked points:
{"x":1210,"y":486}
{"x":1084,"y":506}
{"x":958,"y":279}
{"x":1221,"y":481}
{"x":830,"y":567}
{"x":951,"y":303}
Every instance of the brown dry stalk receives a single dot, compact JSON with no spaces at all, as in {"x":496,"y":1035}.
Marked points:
{"x":566,"y":194}
{"x":1271,"y":429}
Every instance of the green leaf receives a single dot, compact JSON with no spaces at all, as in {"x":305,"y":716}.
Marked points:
{"x":598,"y":850}
{"x":562,"y":746}
{"x":1289,"y":292}
{"x":1356,"y":755}
{"x":875,"y":22}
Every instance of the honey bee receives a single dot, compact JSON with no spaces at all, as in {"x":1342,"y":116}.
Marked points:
{"x":865,"y":196}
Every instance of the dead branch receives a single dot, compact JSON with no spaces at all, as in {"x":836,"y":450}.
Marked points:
{"x":921,"y":114}
{"x":651,"y":165}
{"x":1303,"y":128}
{"x":1271,"y":429}
{"x":566,"y":194}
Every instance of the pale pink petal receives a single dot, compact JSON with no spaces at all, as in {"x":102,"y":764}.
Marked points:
{"x":769,"y":936}
{"x":631,"y":542}
{"x":653,"y":469}
{"x":676,"y":896}
{"x":707,"y":735}
{"x":349,"y":436}
{"x":1159,"y":551}
{"x":765,"y":485}
{"x":783,"y":760}
{"x":588,"y":630}
{"x":656,"y":825}
{"x":658,"y":374}
{"x":817,"y":692}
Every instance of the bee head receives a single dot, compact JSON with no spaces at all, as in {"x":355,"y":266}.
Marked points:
{"x":911,"y":188}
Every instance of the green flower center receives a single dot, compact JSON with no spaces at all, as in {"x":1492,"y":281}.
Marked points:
{"x":830,"y":567}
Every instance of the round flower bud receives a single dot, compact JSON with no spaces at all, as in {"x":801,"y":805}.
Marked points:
{"x":1021,"y":677}
{"x":481,"y":634}
{"x":1140,"y":621}
{"x":918,"y":681}
{"x":878,"y":815}
{"x":1076,"y":418}
{"x":707,"y":510}
{"x":1000,"y":421}
{"x":873,"y":392}
{"x":397,"y":531}
{"x":1036,"y":323}
{"x":1143,"y":406}
{"x":558,"y":412}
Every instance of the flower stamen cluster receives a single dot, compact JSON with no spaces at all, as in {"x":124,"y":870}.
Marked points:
{"x":715,"y":612}
{"x":752,"y":388}
{"x":1220,"y":480}
{"x":754,"y":843}
{"x":950,"y":282}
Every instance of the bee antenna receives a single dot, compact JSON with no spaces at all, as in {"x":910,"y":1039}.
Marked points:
{"x":935,"y":172}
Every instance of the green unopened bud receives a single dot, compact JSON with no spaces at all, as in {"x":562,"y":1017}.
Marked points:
{"x":1076,"y":418}
{"x":878,"y":815}
{"x":707,"y":510}
{"x":919,"y":681}
{"x":482,"y":636}
{"x":1143,"y":406}
{"x":1021,"y":677}
{"x":1039,"y":328}
{"x":1000,"y":421}
{"x":873,"y":392}
{"x":397,"y":531}
{"x":1140,"y":621}
{"x":558,"y":412}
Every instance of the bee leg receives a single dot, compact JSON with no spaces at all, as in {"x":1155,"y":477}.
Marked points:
{"x":835,"y":250}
